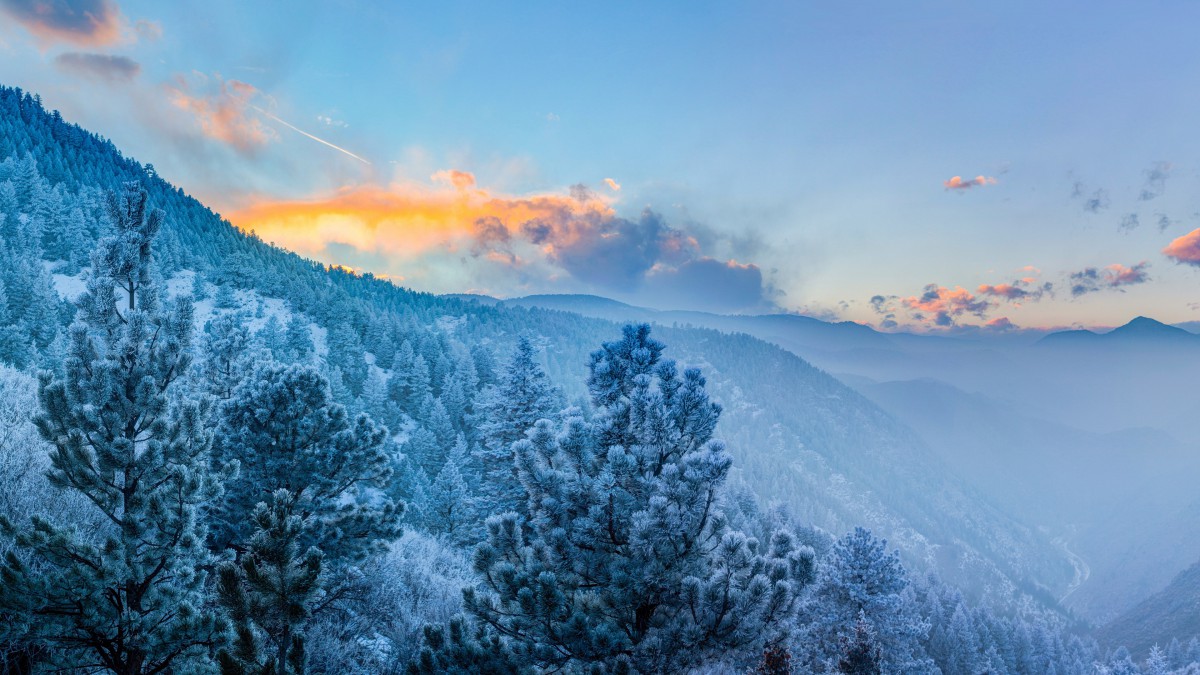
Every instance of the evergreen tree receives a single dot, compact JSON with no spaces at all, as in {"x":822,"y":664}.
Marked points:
{"x":227,"y":357}
{"x":861,"y":581}
{"x":298,"y":338}
{"x":860,"y":653}
{"x":286,"y":432}
{"x":523,"y":396}
{"x":225,"y":298}
{"x":270,"y":593}
{"x":627,"y":562}
{"x":270,"y":337}
{"x":449,"y":505}
{"x":133,"y":603}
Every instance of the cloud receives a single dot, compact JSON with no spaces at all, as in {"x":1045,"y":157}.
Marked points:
{"x":612,"y":184}
{"x":1000,"y":324}
{"x":151,"y":31}
{"x":1129,"y":222}
{"x":551,"y":117}
{"x":943,"y":306}
{"x":83,"y":23}
{"x":1156,"y":181}
{"x":549,"y":239}
{"x":1020,"y":290}
{"x":330,"y":122}
{"x":1113,"y":277}
{"x":1164,"y":222}
{"x":224,"y":110}
{"x":459,"y":179}
{"x":1185,"y":249}
{"x":1095,"y":202}
{"x":705,"y":284}
{"x":103,"y":66}
{"x":960,"y":183}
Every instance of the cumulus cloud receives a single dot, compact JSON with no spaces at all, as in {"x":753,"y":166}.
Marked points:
{"x":960,"y":183}
{"x":576,"y":236}
{"x":223,"y":109}
{"x":1000,"y":324}
{"x":1156,"y":181}
{"x":83,"y":23}
{"x":103,"y":66}
{"x":1185,"y":249}
{"x":1113,"y":277}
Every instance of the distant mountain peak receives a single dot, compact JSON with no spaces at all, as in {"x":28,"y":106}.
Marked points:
{"x":1140,"y":328}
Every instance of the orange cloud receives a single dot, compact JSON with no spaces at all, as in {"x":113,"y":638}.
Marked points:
{"x":1185,"y":249}
{"x":225,"y":113}
{"x":960,"y":183}
{"x":459,"y":179}
{"x":406,"y":219}
{"x":612,"y":184}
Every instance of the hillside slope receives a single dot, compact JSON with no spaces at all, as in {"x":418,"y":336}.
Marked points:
{"x":798,"y":435}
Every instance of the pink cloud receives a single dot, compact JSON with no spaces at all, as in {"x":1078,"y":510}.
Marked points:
{"x":1185,"y":249}
{"x":960,"y":183}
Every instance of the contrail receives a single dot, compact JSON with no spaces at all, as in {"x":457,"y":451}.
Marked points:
{"x":301,"y":131}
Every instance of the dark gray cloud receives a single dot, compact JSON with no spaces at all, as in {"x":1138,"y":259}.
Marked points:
{"x":1164,"y":222}
{"x":1111,"y":278}
{"x":611,"y":251}
{"x":644,"y":259}
{"x":1129,"y":222}
{"x":103,"y":66}
{"x":80,"y":22}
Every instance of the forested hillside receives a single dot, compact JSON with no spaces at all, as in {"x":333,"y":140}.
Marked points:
{"x":234,"y":457}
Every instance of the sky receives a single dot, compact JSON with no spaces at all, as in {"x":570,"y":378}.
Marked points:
{"x":942,"y":167}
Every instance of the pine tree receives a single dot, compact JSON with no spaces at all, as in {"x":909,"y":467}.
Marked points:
{"x":1156,"y":662}
{"x":626,"y":561}
{"x":860,"y":654}
{"x":523,"y":396}
{"x":227,"y":356}
{"x":270,"y":593}
{"x":862,"y":581}
{"x":449,"y":504}
{"x":133,"y":603}
{"x":285,"y":430}
{"x":298,"y":339}
{"x":225,"y":298}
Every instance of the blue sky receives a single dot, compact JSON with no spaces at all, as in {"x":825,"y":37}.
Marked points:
{"x":768,"y":155}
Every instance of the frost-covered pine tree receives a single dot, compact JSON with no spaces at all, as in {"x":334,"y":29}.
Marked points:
{"x":226,"y":353}
{"x":286,"y":432}
{"x":133,"y":601}
{"x":861,"y":581}
{"x":523,"y":396}
{"x":449,"y":505}
{"x":270,"y":592}
{"x":298,"y":338}
{"x":625,"y":561}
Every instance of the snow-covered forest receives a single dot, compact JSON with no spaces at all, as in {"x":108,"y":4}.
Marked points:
{"x":217,"y":456}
